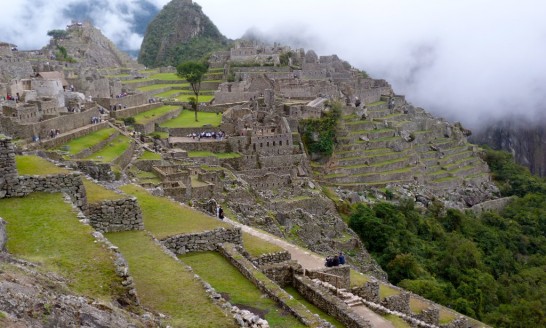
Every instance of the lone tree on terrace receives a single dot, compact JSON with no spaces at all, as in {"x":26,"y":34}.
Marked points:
{"x":193,"y":72}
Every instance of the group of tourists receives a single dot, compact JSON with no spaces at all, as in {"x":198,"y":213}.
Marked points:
{"x":54,"y":132}
{"x":95,"y":120}
{"x":121,"y":95}
{"x":209,"y":135}
{"x":335,"y":260}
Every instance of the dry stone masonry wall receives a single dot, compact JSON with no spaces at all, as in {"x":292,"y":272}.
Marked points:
{"x":204,"y":241}
{"x":3,"y":235}
{"x":115,"y":215}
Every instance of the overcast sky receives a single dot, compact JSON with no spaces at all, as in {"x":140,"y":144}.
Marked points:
{"x":469,"y":60}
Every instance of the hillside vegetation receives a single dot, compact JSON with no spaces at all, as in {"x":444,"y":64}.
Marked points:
{"x":180,"y":32}
{"x":490,"y":266}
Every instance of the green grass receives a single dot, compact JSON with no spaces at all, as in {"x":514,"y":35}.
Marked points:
{"x":165,"y":285}
{"x":161,"y":86}
{"x":42,"y":228}
{"x":377,"y":103}
{"x":166,"y":77}
{"x":77,"y":145}
{"x":358,"y":279}
{"x":256,"y":246}
{"x":136,"y":80}
{"x":186,"y":119}
{"x":446,"y":316}
{"x":202,"y":98}
{"x":97,"y":193}
{"x":164,"y":217}
{"x":227,"y":280}
{"x":34,"y":165}
{"x":111,"y":151}
{"x":148,"y":155}
{"x":150,"y":115}
{"x":292,"y":291}
{"x":386,"y":291}
{"x":217,"y":155}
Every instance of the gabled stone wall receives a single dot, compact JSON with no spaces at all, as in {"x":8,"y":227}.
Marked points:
{"x":202,"y":241}
{"x":115,"y":215}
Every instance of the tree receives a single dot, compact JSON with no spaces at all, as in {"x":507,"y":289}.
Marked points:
{"x":57,"y":34}
{"x":193,"y":72}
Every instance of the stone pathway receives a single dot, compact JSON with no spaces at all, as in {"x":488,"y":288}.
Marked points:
{"x":309,"y":260}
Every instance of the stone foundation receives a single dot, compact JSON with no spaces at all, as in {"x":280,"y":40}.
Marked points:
{"x":400,"y":303}
{"x":115,"y":215}
{"x":281,"y":273}
{"x":203,"y":241}
{"x":339,"y":276}
{"x":369,"y":292}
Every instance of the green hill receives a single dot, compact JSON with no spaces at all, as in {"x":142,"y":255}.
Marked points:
{"x":180,"y":32}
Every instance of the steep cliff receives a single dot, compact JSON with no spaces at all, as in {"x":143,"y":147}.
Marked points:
{"x":180,"y":32}
{"x":526,"y":141}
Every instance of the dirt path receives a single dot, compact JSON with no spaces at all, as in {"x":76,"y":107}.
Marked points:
{"x":309,"y":260}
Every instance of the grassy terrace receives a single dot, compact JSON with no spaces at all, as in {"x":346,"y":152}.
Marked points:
{"x":161,"y":86}
{"x":112,"y":151}
{"x":165,"y":285}
{"x":164,"y":217}
{"x":42,"y":228}
{"x":257,"y":247}
{"x":148,"y":116}
{"x":202,"y":98}
{"x":148,"y":155}
{"x":168,"y":94}
{"x":166,"y":77}
{"x":34,"y":165}
{"x":186,"y":119}
{"x":217,"y":155}
{"x":97,"y":193}
{"x":228,"y":281}
{"x":77,"y":145}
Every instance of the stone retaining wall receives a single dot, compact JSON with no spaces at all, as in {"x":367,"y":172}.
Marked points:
{"x":281,"y":273}
{"x":271,"y":258}
{"x":3,"y":235}
{"x":330,"y":304}
{"x":203,"y":241}
{"x":95,"y":148}
{"x":369,"y":292}
{"x":64,"y":138}
{"x":115,"y":215}
{"x":132,"y":111}
{"x":124,"y":159}
{"x":400,"y":303}
{"x":268,"y":287}
{"x":339,"y":276}
{"x":98,"y":171}
{"x":150,"y":126}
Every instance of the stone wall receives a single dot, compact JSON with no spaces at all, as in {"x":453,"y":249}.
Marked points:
{"x":281,"y":273}
{"x":124,"y":159}
{"x":8,"y":169}
{"x":62,"y":139}
{"x":492,"y":205}
{"x":369,"y":292}
{"x":400,"y":303}
{"x":3,"y":235}
{"x":330,"y":304}
{"x":71,"y":184}
{"x":115,"y":215}
{"x":150,"y":126}
{"x":268,"y":287}
{"x":64,"y":123}
{"x":95,"y":148}
{"x":132,"y":111}
{"x":339,"y":276}
{"x":129,"y":101}
{"x":203,"y":241}
{"x":271,"y":258}
{"x":98,"y":171}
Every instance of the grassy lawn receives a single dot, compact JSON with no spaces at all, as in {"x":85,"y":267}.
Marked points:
{"x":186,"y":119}
{"x":166,"y":77}
{"x":136,"y":80}
{"x":112,"y":151}
{"x":256,"y":246}
{"x":358,"y":279}
{"x":77,"y":145}
{"x":147,"y":116}
{"x":397,"y":322}
{"x":227,"y":280}
{"x":165,"y":286}
{"x":313,"y":308}
{"x":161,"y":86}
{"x":202,"y":98}
{"x":42,"y":228}
{"x":97,"y":193}
{"x":35,"y":165}
{"x":148,"y":155}
{"x":209,"y":153}
{"x":167,"y":94}
{"x":164,"y":217}
{"x":386,"y":291}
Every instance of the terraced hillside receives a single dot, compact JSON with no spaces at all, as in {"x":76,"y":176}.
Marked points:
{"x":400,"y":145}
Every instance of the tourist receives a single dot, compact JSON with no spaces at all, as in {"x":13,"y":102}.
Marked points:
{"x":335,"y":261}
{"x":221,"y":213}
{"x":341,"y":258}
{"x":328,"y":262}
